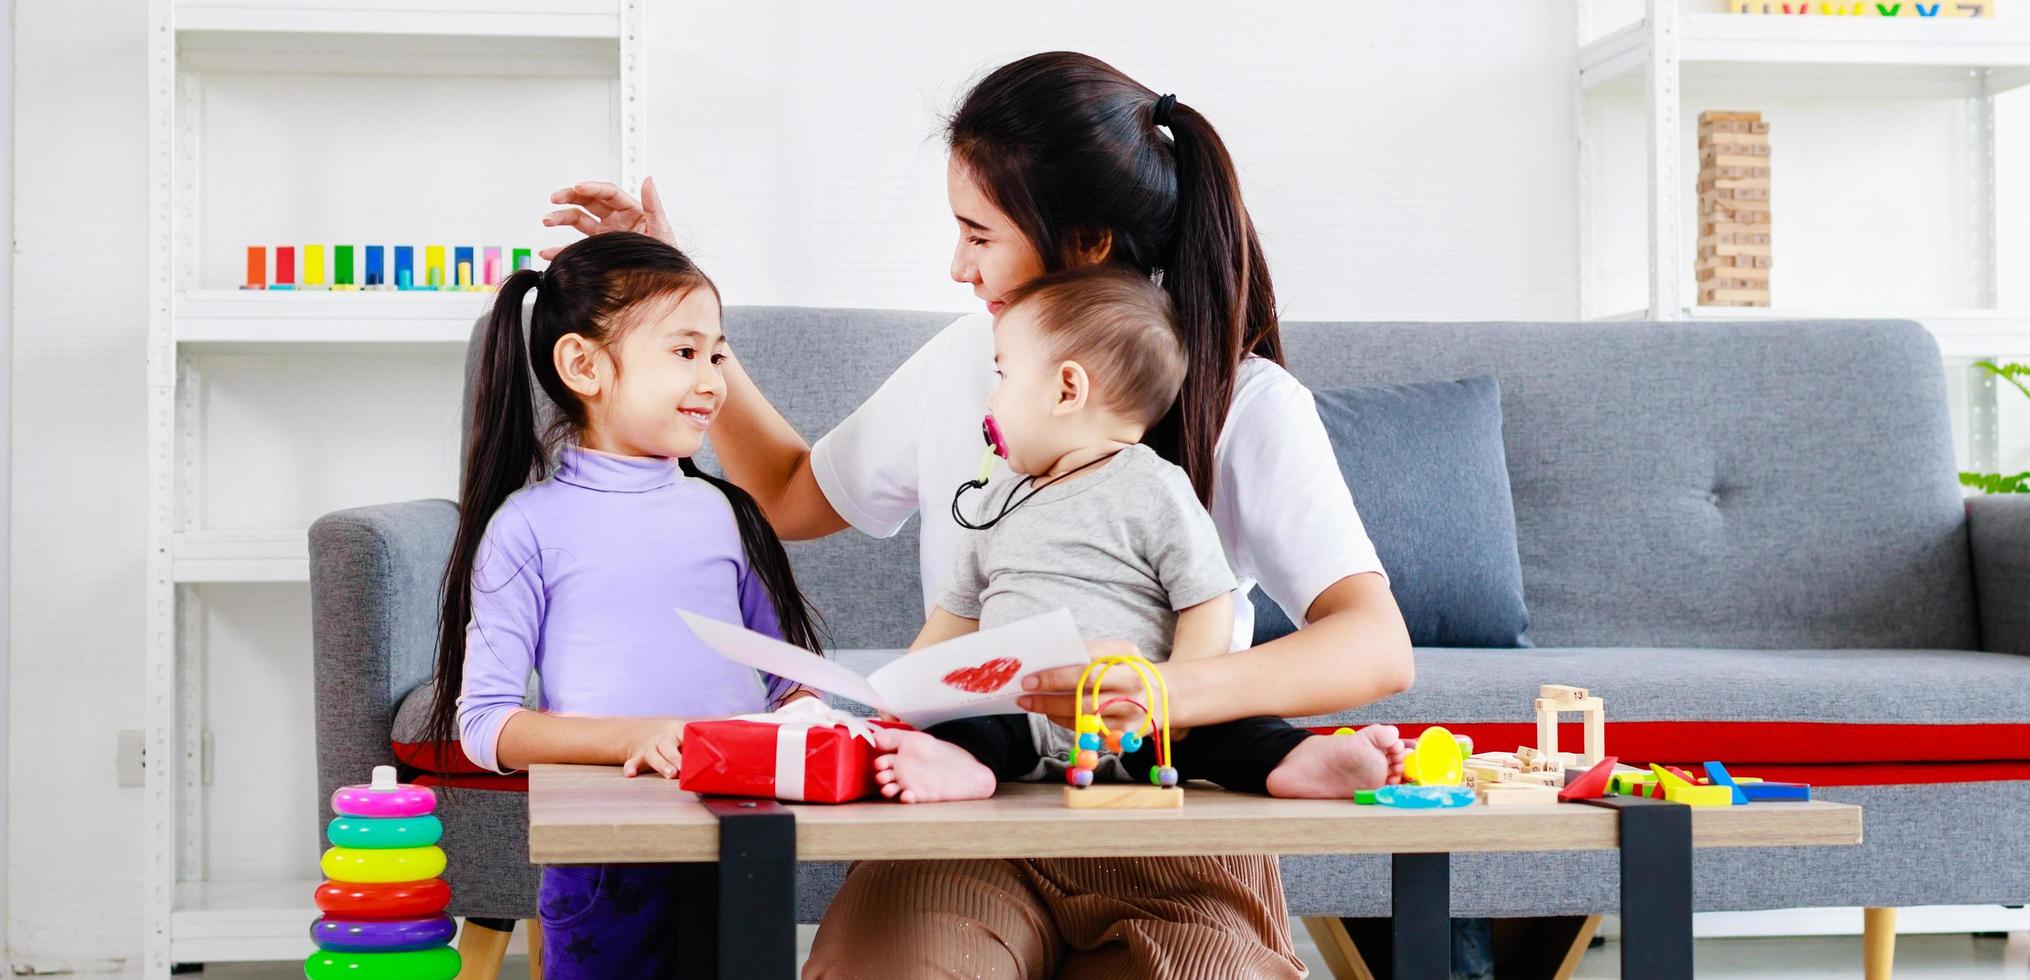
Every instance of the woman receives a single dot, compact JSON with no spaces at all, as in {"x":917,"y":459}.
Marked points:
{"x":1059,"y":160}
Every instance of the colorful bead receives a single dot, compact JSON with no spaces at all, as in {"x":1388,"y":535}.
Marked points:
{"x":1163,"y":776}
{"x":383,"y":900}
{"x":1089,"y":723}
{"x":1130,"y":741}
{"x":392,"y":864}
{"x":1113,"y":742}
{"x":384,"y":832}
{"x":1080,"y":778}
{"x":1345,"y":731}
{"x":439,"y":963}
{"x":381,"y":935}
{"x":1088,"y":759}
{"x":1089,"y":741}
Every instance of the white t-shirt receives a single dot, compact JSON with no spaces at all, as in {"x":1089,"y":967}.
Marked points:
{"x":1284,"y":514}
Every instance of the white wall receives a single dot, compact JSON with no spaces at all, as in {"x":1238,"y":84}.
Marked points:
{"x":78,"y":479}
{"x":1402,"y":160}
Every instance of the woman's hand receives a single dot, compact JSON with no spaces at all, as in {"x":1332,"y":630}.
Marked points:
{"x":1054,"y":693}
{"x":658,"y":744}
{"x":597,"y":206}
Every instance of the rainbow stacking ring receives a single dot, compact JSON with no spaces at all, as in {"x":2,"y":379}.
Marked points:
{"x":381,"y":935}
{"x":366,"y":801}
{"x":384,"y":900}
{"x":384,"y":832}
{"x":385,"y":864}
{"x":438,"y":963}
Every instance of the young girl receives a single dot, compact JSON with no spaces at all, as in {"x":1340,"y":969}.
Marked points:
{"x":577,"y":577}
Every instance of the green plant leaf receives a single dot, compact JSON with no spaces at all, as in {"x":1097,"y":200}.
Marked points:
{"x":2012,"y":373}
{"x":1997,"y":482}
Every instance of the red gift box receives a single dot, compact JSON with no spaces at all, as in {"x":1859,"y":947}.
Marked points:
{"x":795,"y":759}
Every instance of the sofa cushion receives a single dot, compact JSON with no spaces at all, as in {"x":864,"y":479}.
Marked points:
{"x":1865,"y":716}
{"x":1427,"y":471}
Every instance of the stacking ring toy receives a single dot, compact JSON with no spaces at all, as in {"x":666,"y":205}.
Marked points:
{"x":385,"y":832}
{"x":373,"y":801}
{"x":438,"y":963}
{"x":381,"y":935}
{"x":387,"y":864}
{"x":384,"y":900}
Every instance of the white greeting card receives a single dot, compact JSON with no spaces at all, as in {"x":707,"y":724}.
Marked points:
{"x":975,"y":674}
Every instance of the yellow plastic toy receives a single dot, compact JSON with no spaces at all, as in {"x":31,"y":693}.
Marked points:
{"x":1436,"y":761}
{"x":1093,"y":735}
{"x":373,"y":866}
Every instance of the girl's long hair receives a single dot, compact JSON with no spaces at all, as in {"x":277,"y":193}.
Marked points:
{"x":588,"y":291}
{"x":1071,"y":150}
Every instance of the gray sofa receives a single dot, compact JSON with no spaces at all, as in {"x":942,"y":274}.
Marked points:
{"x":1724,"y":522}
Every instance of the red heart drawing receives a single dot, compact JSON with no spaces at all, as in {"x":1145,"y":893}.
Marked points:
{"x":987,"y":677}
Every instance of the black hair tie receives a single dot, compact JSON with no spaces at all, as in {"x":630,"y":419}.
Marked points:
{"x":1161,"y":117}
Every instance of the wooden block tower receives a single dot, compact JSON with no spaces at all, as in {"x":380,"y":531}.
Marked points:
{"x":1733,"y":264}
{"x":1554,"y":699}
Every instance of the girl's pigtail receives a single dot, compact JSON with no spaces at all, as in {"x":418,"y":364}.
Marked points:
{"x":503,"y":452}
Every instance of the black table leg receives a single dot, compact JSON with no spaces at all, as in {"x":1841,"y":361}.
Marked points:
{"x":745,"y":924}
{"x":1422,"y":906}
{"x":1656,"y":886}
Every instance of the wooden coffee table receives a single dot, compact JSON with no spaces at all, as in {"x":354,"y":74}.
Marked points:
{"x":745,"y":852}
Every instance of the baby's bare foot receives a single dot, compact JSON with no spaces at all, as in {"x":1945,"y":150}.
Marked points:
{"x":1331,"y":767}
{"x":917,"y":768}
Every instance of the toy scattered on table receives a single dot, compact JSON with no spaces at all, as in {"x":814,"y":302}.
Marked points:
{"x":1945,"y":9}
{"x":1733,"y":261}
{"x":472,"y":269}
{"x":1556,"y":699}
{"x":383,"y":903}
{"x":1093,"y":735}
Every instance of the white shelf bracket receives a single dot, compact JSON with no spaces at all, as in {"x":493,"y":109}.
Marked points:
{"x":1661,"y":91}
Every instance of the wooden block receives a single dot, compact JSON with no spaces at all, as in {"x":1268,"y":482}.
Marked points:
{"x":1547,"y":729}
{"x":1728,"y":115}
{"x":1739,"y":185}
{"x":1715,"y":245}
{"x":1596,"y":738}
{"x":1731,"y":271}
{"x":1561,"y":692}
{"x":1491,"y":774}
{"x":1692,"y":795}
{"x":1123,"y":796}
{"x":1517,"y":794}
{"x":1552,"y":779}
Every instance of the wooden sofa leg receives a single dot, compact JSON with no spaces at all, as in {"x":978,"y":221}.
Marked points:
{"x":535,"y":928}
{"x":1336,"y":947}
{"x":1878,"y":942}
{"x":482,"y":944}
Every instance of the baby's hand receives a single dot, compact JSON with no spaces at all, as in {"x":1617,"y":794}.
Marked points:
{"x":658,"y":746}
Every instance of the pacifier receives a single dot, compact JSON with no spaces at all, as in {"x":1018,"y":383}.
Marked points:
{"x":996,"y":447}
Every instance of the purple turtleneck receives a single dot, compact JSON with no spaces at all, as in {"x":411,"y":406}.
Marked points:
{"x":579,"y":578}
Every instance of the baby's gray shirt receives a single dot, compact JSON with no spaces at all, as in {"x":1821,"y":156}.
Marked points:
{"x":1125,"y":548}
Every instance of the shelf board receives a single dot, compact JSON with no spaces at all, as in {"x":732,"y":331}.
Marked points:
{"x":240,"y":921}
{"x":1819,"y":55}
{"x":240,"y":556}
{"x":255,"y":318}
{"x":599,"y":19}
{"x":391,"y":37}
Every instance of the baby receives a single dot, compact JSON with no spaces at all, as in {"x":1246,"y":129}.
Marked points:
{"x":1101,"y":525}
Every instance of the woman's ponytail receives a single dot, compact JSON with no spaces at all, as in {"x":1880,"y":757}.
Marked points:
{"x":503,"y":452}
{"x":1219,"y":290}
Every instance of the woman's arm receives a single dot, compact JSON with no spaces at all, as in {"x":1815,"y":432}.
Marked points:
{"x":764,"y":455}
{"x":1356,"y":650}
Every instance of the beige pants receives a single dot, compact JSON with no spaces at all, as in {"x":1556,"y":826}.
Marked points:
{"x":1191,"y":917}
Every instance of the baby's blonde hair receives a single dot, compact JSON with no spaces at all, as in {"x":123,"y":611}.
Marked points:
{"x":1117,"y":323}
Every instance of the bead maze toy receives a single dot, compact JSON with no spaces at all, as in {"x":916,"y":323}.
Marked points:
{"x":472,"y":269}
{"x":1093,"y":735}
{"x":383,"y":903}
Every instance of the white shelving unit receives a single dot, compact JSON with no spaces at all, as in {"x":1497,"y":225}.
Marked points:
{"x":1668,"y":53}
{"x":189,"y":917}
